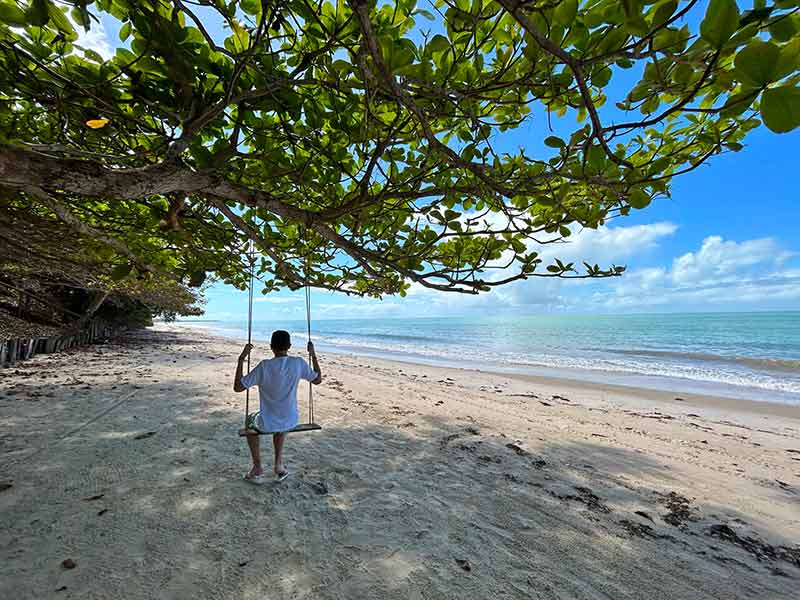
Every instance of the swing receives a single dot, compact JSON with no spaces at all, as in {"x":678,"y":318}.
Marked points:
{"x":300,"y":427}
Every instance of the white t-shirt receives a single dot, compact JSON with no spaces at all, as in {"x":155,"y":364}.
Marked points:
{"x":277,"y":380}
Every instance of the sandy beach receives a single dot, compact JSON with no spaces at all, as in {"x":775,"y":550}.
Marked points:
{"x":425,"y":482}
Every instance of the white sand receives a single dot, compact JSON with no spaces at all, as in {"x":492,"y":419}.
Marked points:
{"x":416,"y":469}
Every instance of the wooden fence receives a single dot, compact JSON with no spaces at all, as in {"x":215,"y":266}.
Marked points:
{"x":17,"y":349}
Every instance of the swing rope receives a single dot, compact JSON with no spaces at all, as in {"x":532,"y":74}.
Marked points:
{"x":249,"y":324}
{"x":308,"y":323}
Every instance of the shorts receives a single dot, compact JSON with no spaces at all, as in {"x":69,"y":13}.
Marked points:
{"x":252,"y":421}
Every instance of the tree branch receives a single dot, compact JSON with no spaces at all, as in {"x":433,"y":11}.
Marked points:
{"x":63,"y":213}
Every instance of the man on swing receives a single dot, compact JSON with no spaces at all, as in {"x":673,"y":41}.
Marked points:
{"x":277,"y":380}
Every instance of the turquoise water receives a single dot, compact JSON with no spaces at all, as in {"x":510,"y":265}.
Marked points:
{"x":748,"y":355}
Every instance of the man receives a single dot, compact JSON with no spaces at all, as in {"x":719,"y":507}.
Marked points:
{"x":277,"y":380}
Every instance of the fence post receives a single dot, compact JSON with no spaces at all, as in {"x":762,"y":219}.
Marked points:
{"x":13,"y":346}
{"x":3,"y":352}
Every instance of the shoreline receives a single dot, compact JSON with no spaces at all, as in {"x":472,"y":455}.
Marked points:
{"x":699,"y":400}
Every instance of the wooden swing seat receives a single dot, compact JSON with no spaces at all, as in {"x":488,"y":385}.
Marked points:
{"x":299,"y":428}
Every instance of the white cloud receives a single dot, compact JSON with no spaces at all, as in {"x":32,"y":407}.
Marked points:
{"x":787,"y":274}
{"x":95,"y":39}
{"x":719,"y":273}
{"x":365,"y":307}
{"x":607,"y":245}
{"x":718,"y":259}
{"x":278,"y":299}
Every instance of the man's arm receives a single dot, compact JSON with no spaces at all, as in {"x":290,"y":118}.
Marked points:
{"x":314,"y":363}
{"x":237,"y":379}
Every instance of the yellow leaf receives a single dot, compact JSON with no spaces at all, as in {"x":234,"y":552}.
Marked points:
{"x":97,"y":123}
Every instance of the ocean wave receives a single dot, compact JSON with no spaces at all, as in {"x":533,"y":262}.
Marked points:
{"x":689,"y":370}
{"x":781,"y":375}
{"x":382,"y":336}
{"x":772,"y":364}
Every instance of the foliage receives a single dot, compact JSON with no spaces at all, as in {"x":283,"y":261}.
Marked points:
{"x":363,"y":146}
{"x":58,"y":272}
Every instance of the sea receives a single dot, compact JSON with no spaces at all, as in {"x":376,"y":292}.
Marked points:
{"x":754,"y":355}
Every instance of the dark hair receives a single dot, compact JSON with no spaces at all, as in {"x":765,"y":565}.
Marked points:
{"x":280,"y":340}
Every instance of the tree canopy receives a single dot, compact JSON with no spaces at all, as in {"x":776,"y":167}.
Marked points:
{"x":362,"y":146}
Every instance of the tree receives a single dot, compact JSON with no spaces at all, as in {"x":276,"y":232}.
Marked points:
{"x":360,"y":146}
{"x":50,"y":274}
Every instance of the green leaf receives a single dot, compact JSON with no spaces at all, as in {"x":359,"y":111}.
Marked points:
{"x":664,"y":11}
{"x":81,"y":17}
{"x":565,"y":12}
{"x":554,"y":142}
{"x":469,"y":152}
{"x":92,"y":55}
{"x":756,"y":63}
{"x":785,"y":27}
{"x":601,"y":77}
{"x":596,"y":157}
{"x":10,"y":14}
{"x":438,"y":43}
{"x":120,"y":272}
{"x":738,"y":103}
{"x":744,"y":35}
{"x":780,"y":108}
{"x":38,"y":13}
{"x":501,"y":36}
{"x":639,"y":199}
{"x":400,"y":56}
{"x":125,"y":31}
{"x":251,"y":7}
{"x":637,"y":26}
{"x":720,"y":22}
{"x":683,"y":73}
{"x":240,"y":40}
{"x":788,"y":59}
{"x":61,"y":21}
{"x":630,"y":8}
{"x":197,"y":278}
{"x":341,"y":66}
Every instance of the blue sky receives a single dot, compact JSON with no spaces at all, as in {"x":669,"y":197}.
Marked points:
{"x":726,"y":240}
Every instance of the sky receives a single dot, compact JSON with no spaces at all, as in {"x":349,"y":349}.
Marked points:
{"x":728,"y":239}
